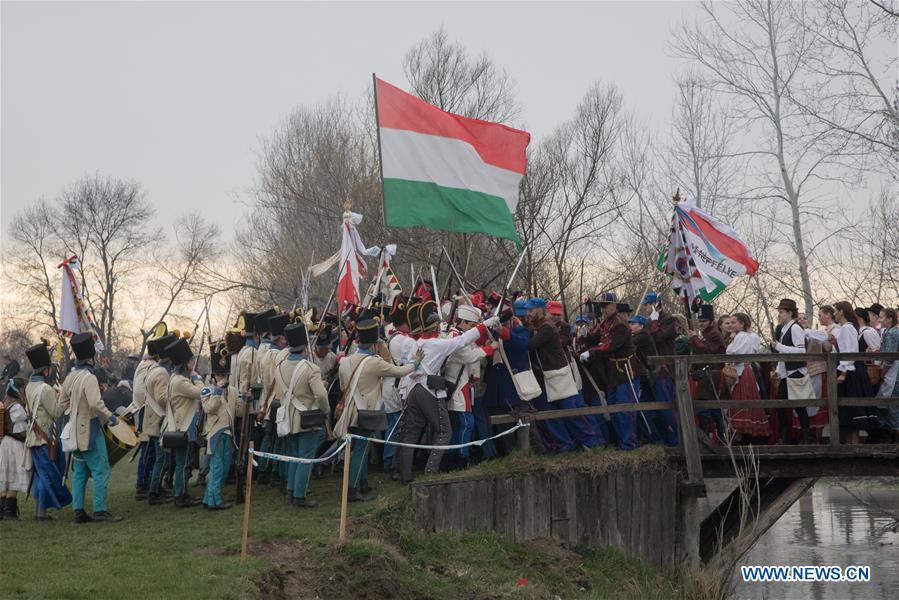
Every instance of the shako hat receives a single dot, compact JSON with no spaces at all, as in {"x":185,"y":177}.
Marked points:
{"x":262,"y":320}
{"x":368,"y":331}
{"x":83,"y":345}
{"x":179,"y":352}
{"x":706,"y":312}
{"x":277,"y":323}
{"x":38,"y":356}
{"x":296,"y":336}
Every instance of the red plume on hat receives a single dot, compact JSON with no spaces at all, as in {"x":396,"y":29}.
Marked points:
{"x":424,"y":290}
{"x":477,"y":298}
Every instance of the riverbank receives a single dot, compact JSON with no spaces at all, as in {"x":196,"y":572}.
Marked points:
{"x":164,"y":552}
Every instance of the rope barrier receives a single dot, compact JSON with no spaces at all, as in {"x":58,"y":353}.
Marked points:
{"x":447,"y":447}
{"x":295,"y":459}
{"x":336,"y":451}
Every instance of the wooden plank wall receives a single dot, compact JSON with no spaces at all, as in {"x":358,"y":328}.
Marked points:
{"x":634,"y":512}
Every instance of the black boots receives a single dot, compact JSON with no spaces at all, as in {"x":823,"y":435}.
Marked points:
{"x":356,"y":496}
{"x":303,"y":502}
{"x":82,"y":517}
{"x":104,"y":516}
{"x":10,"y":510}
{"x":185,"y":501}
{"x":2,"y":506}
{"x":101,"y":516}
{"x":141,"y":494}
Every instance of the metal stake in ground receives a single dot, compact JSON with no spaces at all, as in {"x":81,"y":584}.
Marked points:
{"x":245,"y":536}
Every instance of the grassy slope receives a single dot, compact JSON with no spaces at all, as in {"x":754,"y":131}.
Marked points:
{"x":191,"y":553}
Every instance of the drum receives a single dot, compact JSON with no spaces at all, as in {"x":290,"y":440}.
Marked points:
{"x":120,"y":440}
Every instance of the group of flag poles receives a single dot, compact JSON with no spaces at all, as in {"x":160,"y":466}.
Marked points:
{"x":452,"y":173}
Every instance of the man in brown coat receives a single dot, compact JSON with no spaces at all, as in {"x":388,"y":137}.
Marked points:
{"x":709,"y":340}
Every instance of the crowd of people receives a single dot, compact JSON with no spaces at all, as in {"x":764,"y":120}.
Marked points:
{"x":419,"y":373}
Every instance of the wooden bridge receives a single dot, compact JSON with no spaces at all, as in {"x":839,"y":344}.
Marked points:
{"x":784,"y":472}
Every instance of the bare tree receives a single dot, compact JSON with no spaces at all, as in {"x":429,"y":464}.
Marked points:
{"x":582,"y":204}
{"x":107,"y":222}
{"x":445,"y":74}
{"x":699,"y":156}
{"x":184,"y":270}
{"x":856,"y":60}
{"x":757,"y":57}
{"x":33,"y":253}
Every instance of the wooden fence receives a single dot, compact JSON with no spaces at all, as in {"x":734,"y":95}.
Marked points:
{"x":685,"y":405}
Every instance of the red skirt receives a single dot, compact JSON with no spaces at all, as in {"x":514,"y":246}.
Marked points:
{"x":748,"y":421}
{"x":821,"y":419}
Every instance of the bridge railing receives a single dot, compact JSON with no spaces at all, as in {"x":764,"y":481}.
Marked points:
{"x":685,"y":405}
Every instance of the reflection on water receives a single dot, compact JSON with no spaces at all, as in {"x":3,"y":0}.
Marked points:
{"x":828,"y":526}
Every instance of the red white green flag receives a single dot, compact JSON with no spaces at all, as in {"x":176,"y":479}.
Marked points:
{"x":703,"y":254}
{"x":445,"y":171}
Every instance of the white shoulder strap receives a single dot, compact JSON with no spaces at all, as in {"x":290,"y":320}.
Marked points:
{"x":295,"y":377}
{"x":37,"y":402}
{"x":352,"y":390}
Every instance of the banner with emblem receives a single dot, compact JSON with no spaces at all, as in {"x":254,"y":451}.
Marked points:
{"x":704,"y":255}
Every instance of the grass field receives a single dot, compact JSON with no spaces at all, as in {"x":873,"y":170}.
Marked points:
{"x":164,"y":552}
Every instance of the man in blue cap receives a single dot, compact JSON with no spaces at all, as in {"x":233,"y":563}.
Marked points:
{"x":559,"y":386}
{"x":655,"y":426}
{"x":612,"y":357}
{"x":500,"y":395}
{"x":662,"y":328}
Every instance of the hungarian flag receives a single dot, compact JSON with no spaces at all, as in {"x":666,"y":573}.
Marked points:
{"x":703,"y":254}
{"x":445,"y":171}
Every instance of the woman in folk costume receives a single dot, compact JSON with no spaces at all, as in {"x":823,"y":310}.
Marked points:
{"x":747,"y":422}
{"x":852,"y":377}
{"x":361,"y":375}
{"x":217,"y":427}
{"x":304,"y":409}
{"x":47,"y":460}
{"x":185,"y":387}
{"x":80,"y":397}
{"x":462,"y":368}
{"x":13,"y":474}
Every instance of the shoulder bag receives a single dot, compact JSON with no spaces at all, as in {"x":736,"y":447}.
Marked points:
{"x":526,"y":385}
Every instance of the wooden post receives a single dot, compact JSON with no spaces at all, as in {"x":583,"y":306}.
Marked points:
{"x":688,"y":442}
{"x":345,"y":492}
{"x":833,"y":410}
{"x":688,"y":536}
{"x":245,"y":536}
{"x":523,"y":436}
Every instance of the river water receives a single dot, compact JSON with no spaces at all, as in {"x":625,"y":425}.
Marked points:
{"x":831,"y":525}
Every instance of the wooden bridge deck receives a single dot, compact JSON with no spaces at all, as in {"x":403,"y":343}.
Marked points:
{"x":784,"y":472}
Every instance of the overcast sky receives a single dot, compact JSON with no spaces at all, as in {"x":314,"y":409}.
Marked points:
{"x":179,"y":95}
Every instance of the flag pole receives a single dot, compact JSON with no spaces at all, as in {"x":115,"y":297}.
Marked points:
{"x":374,"y":82}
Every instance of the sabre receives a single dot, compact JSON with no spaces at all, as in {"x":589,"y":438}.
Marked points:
{"x":455,"y":272}
{"x":436,"y":293}
{"x":509,"y":283}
